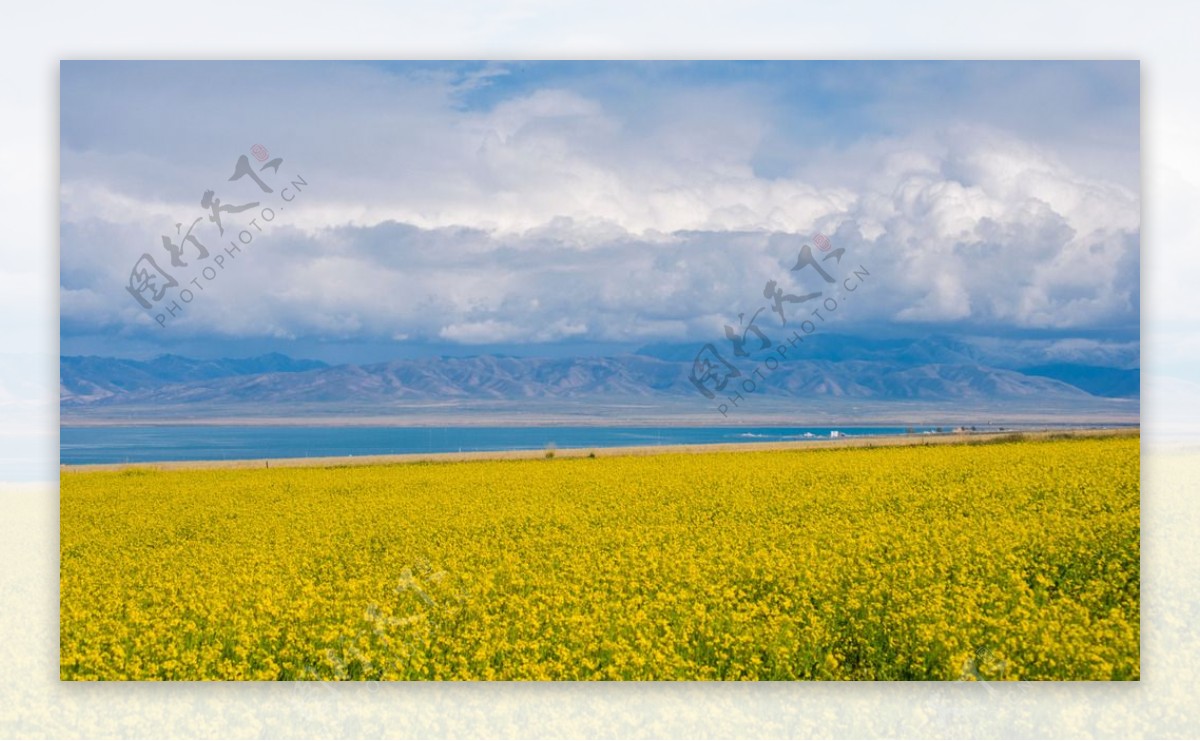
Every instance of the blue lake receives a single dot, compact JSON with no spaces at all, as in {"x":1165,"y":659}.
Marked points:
{"x":139,"y":444}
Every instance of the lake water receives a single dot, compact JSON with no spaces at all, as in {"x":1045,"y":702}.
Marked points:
{"x":140,"y":444}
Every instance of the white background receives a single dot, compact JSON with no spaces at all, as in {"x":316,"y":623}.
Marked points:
{"x":34,"y":37}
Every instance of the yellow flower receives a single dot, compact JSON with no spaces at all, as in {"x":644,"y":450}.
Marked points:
{"x":1011,"y":561}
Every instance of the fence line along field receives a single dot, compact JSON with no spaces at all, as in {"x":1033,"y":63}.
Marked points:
{"x":1014,"y":560}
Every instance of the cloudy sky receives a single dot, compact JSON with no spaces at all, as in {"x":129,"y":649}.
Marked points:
{"x":579,"y":208}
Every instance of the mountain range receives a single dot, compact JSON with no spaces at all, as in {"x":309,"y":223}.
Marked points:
{"x":830,"y":367}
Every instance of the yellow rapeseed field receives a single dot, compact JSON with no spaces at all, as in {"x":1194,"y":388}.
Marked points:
{"x":1016,"y":560}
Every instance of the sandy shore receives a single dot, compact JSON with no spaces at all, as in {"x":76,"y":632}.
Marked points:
{"x":865,"y":441}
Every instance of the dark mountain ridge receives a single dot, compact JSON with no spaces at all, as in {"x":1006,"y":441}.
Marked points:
{"x":934,"y":368}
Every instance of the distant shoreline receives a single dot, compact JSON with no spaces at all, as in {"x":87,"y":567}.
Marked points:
{"x":864,"y":441}
{"x":622,"y":418}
